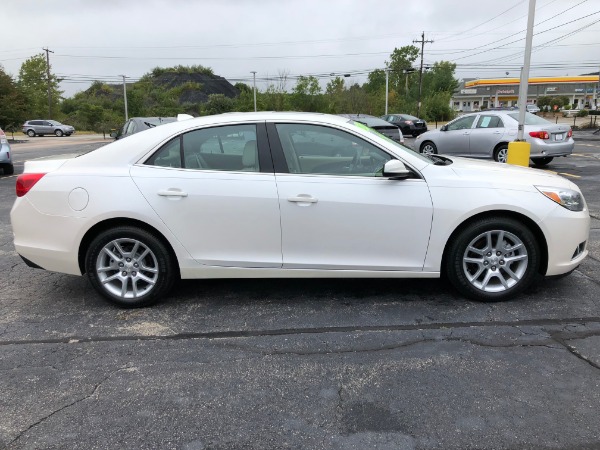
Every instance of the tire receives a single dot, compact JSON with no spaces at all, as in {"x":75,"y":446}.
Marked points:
{"x":8,"y":169}
{"x":428,"y":148}
{"x":130,"y":267}
{"x":58,"y":133}
{"x":501,"y":153}
{"x":30,"y":133}
{"x":480,"y":266}
{"x":541,"y":162}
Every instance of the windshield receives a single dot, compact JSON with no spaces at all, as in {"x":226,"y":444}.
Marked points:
{"x":530,"y":119}
{"x":403,"y":148}
{"x":407,"y":117}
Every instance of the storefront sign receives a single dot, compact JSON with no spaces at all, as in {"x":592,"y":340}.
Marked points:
{"x":468,"y":91}
{"x":506,"y":91}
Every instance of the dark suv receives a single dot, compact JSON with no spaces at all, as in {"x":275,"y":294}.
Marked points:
{"x":41,"y":127}
{"x":137,"y":124}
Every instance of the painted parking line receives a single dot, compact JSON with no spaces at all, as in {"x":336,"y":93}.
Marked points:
{"x":563,"y":173}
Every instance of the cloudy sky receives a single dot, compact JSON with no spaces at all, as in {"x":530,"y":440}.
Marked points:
{"x":103,"y":39}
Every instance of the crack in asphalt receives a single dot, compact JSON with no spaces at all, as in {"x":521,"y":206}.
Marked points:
{"x":306,"y":331}
{"x":62,"y":408}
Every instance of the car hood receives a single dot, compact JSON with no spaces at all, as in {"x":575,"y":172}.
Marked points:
{"x":468,"y":172}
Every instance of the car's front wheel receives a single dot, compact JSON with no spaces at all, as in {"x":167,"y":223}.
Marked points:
{"x":493,"y":259}
{"x":130,"y":266}
{"x":541,"y":162}
{"x":428,"y":148}
{"x":58,"y":133}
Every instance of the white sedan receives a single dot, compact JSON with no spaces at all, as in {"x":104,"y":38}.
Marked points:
{"x":270,"y":195}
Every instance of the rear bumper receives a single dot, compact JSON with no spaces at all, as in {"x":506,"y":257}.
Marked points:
{"x":542,"y":149}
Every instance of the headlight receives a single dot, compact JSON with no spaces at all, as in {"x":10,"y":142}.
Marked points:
{"x":567,"y":198}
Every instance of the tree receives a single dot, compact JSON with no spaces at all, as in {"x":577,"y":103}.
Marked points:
{"x":13,"y":111}
{"x":218,"y":104}
{"x":305,"y":96}
{"x":33,"y":81}
{"x":334,"y":92}
{"x":401,"y":61}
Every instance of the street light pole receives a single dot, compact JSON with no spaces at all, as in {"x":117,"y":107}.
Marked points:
{"x":387,"y":77}
{"x":125,"y":98}
{"x":254,"y":87}
{"x":519,"y":151}
{"x":525,"y":71}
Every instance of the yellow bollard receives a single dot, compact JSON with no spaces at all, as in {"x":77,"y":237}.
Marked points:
{"x":518,"y":153}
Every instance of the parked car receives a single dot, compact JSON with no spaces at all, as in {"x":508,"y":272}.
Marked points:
{"x":41,"y":127}
{"x":410,"y":125}
{"x":137,"y":124}
{"x":533,"y":109}
{"x":486,"y":134}
{"x":297,"y":195}
{"x":385,"y":128}
{"x":5,"y":155}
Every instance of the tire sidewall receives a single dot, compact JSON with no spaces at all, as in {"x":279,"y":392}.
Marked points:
{"x":166,"y":272}
{"x":425,"y":144}
{"x":454,"y":261}
{"x":497,"y":153}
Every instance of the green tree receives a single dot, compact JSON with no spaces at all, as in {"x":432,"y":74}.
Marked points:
{"x":400,"y":66}
{"x":33,"y":81}
{"x":306,"y":94}
{"x":334,"y":92}
{"x":13,"y":110}
{"x":218,"y":104}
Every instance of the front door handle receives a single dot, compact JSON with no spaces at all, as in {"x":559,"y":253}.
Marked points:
{"x":172,"y":193}
{"x":303,"y":199}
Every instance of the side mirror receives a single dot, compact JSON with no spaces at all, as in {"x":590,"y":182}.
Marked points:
{"x":113,"y":134}
{"x":444,"y":128}
{"x":396,"y":170}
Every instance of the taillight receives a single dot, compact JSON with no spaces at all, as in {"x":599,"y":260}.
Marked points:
{"x":539,"y":134}
{"x":26,"y":181}
{"x":570,"y":133}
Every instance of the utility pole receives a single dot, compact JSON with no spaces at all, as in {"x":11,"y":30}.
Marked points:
{"x":254,"y":87}
{"x":422,"y":42}
{"x":125,"y":98}
{"x":387,"y":77}
{"x":48,"y":77}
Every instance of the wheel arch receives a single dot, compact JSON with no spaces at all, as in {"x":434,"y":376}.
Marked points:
{"x":118,"y":222}
{"x":530,"y":224}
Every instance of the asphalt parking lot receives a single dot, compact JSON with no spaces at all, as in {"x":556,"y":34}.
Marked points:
{"x":315,"y":364}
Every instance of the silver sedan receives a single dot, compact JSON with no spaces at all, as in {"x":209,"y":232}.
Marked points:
{"x":486,"y":134}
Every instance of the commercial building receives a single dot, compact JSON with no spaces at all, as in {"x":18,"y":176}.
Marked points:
{"x":474,"y":94}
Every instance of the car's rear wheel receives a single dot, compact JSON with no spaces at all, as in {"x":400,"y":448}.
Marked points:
{"x":428,"y":148}
{"x":8,"y":169}
{"x":130,"y":266}
{"x":493,"y":259}
{"x":30,"y":133}
{"x":501,"y":153}
{"x":58,"y":133}
{"x":541,"y":162}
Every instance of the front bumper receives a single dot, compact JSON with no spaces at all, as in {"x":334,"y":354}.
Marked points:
{"x":567,"y":236}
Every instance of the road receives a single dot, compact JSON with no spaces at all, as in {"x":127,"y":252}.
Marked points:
{"x":319,"y":364}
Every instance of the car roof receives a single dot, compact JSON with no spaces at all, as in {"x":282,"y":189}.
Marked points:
{"x":366,"y":119}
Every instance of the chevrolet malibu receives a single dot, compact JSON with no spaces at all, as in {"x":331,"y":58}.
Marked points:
{"x":296,"y":195}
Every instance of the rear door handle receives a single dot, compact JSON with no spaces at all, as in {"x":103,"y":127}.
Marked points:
{"x":172,"y":193}
{"x":303,"y":199}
